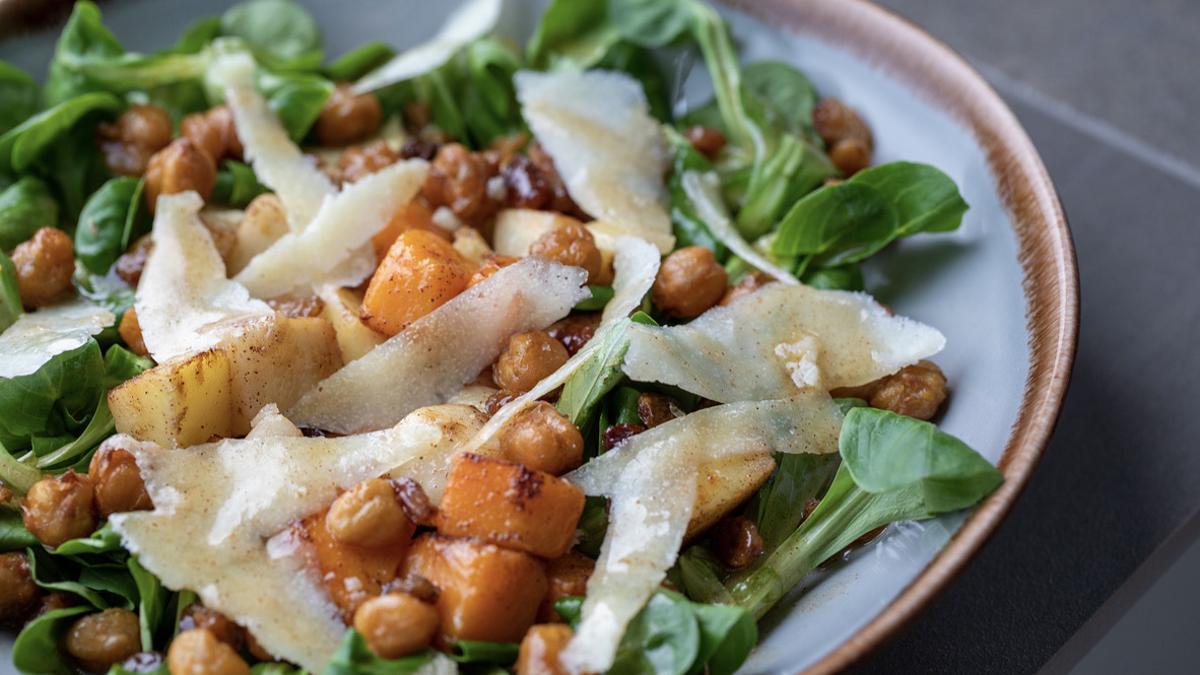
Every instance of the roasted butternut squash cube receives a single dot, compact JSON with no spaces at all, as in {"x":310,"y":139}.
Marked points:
{"x":421,"y":272}
{"x":510,"y":505}
{"x":177,"y":403}
{"x":486,"y":592}
{"x":540,"y":649}
{"x":351,"y":574}
{"x":277,"y":360}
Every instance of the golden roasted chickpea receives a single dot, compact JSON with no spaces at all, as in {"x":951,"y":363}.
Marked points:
{"x":44,"y":263}
{"x":131,"y":332}
{"x":396,"y":624}
{"x":540,"y":649}
{"x":18,"y":593}
{"x":119,"y":487}
{"x":131,"y":263}
{"x":58,"y":508}
{"x":361,"y":160}
{"x":835,"y":121}
{"x":543,"y":439}
{"x":179,"y":167}
{"x":458,"y":179}
{"x":689,"y":282}
{"x":570,"y":244}
{"x":214,"y":131}
{"x":917,"y":391}
{"x":850,"y":156}
{"x":199,"y":616}
{"x":369,"y":514}
{"x":199,"y":652}
{"x":527,"y":360}
{"x":98,"y":641}
{"x":128,"y":143}
{"x":347,"y":118}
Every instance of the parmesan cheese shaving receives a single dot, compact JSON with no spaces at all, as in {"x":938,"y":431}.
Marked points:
{"x":610,"y":152}
{"x":277,"y":161}
{"x":336,"y":244}
{"x":734,"y":353}
{"x":652,"y":482}
{"x":704,"y":191}
{"x":36,"y":337}
{"x":222,"y":513}
{"x":436,"y":355}
{"x":471,"y":22}
{"x":184,"y":302}
{"x":636,"y":264}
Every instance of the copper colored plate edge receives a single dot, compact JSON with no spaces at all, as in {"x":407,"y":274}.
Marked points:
{"x":1047,"y":256}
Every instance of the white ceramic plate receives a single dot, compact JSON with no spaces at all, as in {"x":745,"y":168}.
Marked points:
{"x":1002,"y":288}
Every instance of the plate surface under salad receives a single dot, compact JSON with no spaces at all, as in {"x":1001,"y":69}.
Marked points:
{"x":1001,"y":288}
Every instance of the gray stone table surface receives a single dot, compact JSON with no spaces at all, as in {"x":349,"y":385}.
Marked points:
{"x":1108,"y":91}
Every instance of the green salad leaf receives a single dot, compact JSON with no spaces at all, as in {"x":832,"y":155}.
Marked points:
{"x":893,"y":468}
{"x":575,"y":33}
{"x":359,"y":61}
{"x":10,"y":293}
{"x":600,"y":373}
{"x":18,"y":96}
{"x":36,"y":649}
{"x":237,"y":185}
{"x":108,"y":222}
{"x":25,"y":207}
{"x":281,"y":33}
{"x":25,"y":143}
{"x":476,"y":651}
{"x":13,"y":535}
{"x":83,"y":39}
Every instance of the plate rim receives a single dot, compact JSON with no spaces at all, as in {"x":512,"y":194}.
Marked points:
{"x":1050,"y":278}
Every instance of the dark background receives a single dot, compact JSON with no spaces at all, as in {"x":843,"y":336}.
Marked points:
{"x":1109,"y":91}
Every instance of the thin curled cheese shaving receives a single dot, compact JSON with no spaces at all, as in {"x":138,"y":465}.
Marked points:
{"x":36,"y":337}
{"x":278,"y":162}
{"x":438,"y":354}
{"x":184,"y":302}
{"x":754,"y":348}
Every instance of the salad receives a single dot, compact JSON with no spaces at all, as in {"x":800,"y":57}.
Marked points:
{"x":459,"y":356}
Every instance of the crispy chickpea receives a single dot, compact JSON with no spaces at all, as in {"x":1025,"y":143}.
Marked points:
{"x":570,"y":244}
{"x":133,"y":261}
{"x":199,"y":652}
{"x":917,"y":391}
{"x":458,"y":180}
{"x":137,"y":133}
{"x":119,"y":485}
{"x":347,"y":118}
{"x":361,"y":160}
{"x":745,"y":286}
{"x":396,"y":624}
{"x":850,"y":156}
{"x":689,"y":282}
{"x":214,"y":131}
{"x":131,"y":332}
{"x":97,"y":641}
{"x":540,"y":649}
{"x":736,"y":542}
{"x":199,"y":616}
{"x":179,"y":167}
{"x":369,"y":514}
{"x":58,"y":508}
{"x":543,"y":439}
{"x":706,"y":140}
{"x":527,"y":360}
{"x":45,"y":263}
{"x":18,"y":593}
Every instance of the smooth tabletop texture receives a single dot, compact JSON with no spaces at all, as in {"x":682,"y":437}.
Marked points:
{"x":1099,"y":89}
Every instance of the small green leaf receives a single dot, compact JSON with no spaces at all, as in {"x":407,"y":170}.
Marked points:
{"x":23,"y":144}
{"x":152,"y":599}
{"x":664,"y":638}
{"x":18,"y":96}
{"x":13,"y":535}
{"x":600,"y":297}
{"x":237,"y":185}
{"x":652,"y":23}
{"x":845,"y":223}
{"x":281,"y":33}
{"x":36,"y":648}
{"x":358,"y":62}
{"x":727,"y":635}
{"x":107,"y":223}
{"x":25,"y":207}
{"x":10,"y":293}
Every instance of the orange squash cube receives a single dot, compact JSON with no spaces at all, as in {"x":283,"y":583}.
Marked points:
{"x":421,"y":272}
{"x":485,"y":592}
{"x":510,"y":505}
{"x":412,"y":216}
{"x":351,"y":574}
